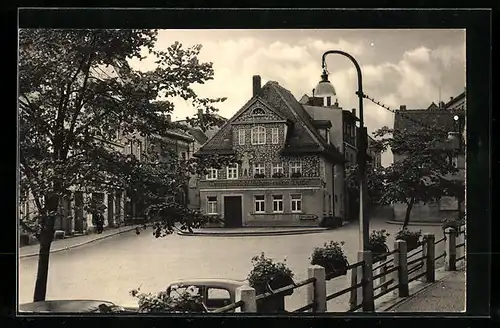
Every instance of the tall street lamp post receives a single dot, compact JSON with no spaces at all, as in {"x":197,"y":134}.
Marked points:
{"x":362,"y":140}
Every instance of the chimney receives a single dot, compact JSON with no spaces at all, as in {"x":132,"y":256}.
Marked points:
{"x":354,"y":111}
{"x":256,"y":85}
{"x":402,"y":107}
{"x":451,"y":98}
{"x":169,"y":118}
{"x":441,"y":105}
{"x":314,"y":90}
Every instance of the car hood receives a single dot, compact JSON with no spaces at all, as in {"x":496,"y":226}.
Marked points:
{"x":64,"y":306}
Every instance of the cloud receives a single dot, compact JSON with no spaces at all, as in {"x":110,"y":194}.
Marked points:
{"x":411,"y":77}
{"x":354,"y":48}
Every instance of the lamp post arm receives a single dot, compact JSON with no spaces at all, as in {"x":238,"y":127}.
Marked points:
{"x":360,"y":77}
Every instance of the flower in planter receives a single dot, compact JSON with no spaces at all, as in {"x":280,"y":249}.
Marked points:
{"x":331,"y":256}
{"x":452,"y":223}
{"x":267,"y":273}
{"x":296,"y":175}
{"x":377,"y":244}
{"x":181,"y":300}
{"x":259,"y":175}
{"x":278,"y":175}
{"x":412,"y":238}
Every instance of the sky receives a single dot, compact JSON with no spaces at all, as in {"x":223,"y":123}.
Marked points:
{"x":400,"y":67}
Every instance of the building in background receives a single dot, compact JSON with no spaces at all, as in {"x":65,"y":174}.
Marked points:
{"x":286,"y":176}
{"x":374,"y":156}
{"x":323,"y":106}
{"x":441,"y":116}
{"x":120,"y":207}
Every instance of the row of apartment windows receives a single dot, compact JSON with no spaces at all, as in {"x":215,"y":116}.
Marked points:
{"x":258,"y":168}
{"x":258,"y":136}
{"x":260,"y":204}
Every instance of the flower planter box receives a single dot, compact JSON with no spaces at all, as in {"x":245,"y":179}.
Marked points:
{"x":378,"y":251}
{"x":276,"y":283}
{"x":274,"y":303}
{"x":271,"y":304}
{"x":333,"y":268}
{"x":296,"y":175}
{"x":412,"y":242}
{"x":259,"y":176}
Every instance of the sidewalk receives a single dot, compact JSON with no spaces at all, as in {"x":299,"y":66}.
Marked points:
{"x":72,"y":242}
{"x":446,"y":295}
{"x":254,"y":231}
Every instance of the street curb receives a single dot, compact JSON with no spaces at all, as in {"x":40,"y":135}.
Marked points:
{"x":249,"y":234}
{"x":419,"y":223}
{"x":82,"y":243}
{"x":401,"y":301}
{"x":258,"y":234}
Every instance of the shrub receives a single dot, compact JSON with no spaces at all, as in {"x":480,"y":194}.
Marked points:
{"x":331,"y":256}
{"x":265,"y":271}
{"x":331,"y":222}
{"x":377,"y":243}
{"x":452,"y":223}
{"x":405,"y":233}
{"x":180,"y":299}
{"x":412,"y":238}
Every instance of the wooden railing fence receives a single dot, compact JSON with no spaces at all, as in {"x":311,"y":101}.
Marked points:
{"x":393,"y":274}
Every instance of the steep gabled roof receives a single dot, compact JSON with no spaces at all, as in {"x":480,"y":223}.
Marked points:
{"x":198,"y":135}
{"x":454,"y":100}
{"x":302,"y":137}
{"x":261,"y":101}
{"x":417,"y":118}
{"x":303,"y":116}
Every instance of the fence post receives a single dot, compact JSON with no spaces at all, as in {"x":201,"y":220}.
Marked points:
{"x":367,"y":279}
{"x":247,"y":295}
{"x":316,"y":292}
{"x":356,"y":277}
{"x":429,"y":251}
{"x":460,"y":239}
{"x":400,"y":276}
{"x":451,"y":250}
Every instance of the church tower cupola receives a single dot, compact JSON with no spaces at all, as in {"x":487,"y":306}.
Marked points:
{"x":326,"y":91}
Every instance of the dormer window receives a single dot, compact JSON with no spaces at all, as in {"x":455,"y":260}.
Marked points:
{"x":258,"y":112}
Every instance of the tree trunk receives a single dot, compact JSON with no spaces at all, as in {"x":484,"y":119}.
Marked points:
{"x":409,"y":206}
{"x":46,"y":237}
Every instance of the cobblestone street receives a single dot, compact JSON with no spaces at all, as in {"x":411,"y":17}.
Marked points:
{"x":108,"y":269}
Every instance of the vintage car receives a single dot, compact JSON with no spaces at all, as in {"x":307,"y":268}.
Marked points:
{"x":70,"y":306}
{"x":216,"y":293}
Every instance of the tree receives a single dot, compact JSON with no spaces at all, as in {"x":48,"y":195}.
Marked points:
{"x":375,"y":182}
{"x":425,"y":171}
{"x":76,"y":92}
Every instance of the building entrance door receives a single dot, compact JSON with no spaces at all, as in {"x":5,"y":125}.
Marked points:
{"x":232,"y":212}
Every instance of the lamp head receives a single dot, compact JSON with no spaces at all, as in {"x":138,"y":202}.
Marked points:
{"x":456,"y":118}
